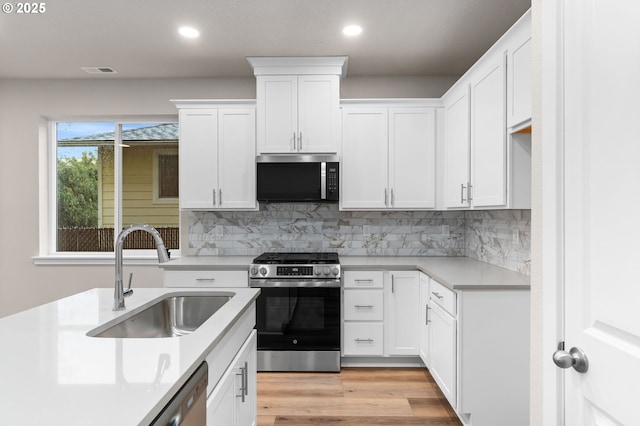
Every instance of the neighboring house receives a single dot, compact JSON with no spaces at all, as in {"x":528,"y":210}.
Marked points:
{"x":149,"y":175}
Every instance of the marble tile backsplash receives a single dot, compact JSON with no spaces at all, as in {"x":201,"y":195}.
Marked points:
{"x":321,"y":227}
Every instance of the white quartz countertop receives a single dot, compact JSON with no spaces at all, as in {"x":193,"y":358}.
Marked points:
{"x":52,"y":373}
{"x":457,"y":273}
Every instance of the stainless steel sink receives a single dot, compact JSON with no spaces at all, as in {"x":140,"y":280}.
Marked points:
{"x":172,"y":316}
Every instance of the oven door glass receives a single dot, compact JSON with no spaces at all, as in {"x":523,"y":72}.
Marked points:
{"x":298,"y":318}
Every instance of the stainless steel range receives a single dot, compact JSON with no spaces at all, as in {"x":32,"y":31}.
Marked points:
{"x":298,"y":311}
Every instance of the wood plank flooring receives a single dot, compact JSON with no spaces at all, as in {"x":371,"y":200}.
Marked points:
{"x":353,"y":397}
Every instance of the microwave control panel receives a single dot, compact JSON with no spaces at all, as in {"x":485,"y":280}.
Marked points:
{"x":332,"y":178}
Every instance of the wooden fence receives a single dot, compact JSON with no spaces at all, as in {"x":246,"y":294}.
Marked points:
{"x":102,"y":239}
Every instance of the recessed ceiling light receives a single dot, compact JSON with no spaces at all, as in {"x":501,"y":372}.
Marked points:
{"x":352,"y":30}
{"x":189,"y":32}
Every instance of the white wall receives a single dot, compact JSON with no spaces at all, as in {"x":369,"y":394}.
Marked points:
{"x":24,"y":104}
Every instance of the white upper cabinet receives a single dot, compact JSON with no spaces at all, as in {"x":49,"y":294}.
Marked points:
{"x":298,"y":104}
{"x":217,"y":155}
{"x":488,"y":134}
{"x":519,"y":72}
{"x":483,"y":167}
{"x":388,"y":157}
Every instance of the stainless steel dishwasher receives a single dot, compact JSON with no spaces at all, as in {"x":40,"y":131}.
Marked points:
{"x":189,"y":406}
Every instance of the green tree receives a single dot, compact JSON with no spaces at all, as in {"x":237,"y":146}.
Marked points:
{"x":78,"y":191}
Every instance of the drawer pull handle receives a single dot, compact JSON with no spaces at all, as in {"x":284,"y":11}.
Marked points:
{"x":369,"y":280}
{"x":205,"y":279}
{"x":364,"y":340}
{"x":363,"y":306}
{"x":437,"y":295}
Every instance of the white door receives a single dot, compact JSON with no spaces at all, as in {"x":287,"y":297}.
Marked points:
{"x":488,"y":136}
{"x":364,"y":158}
{"x":318,"y":113}
{"x":236,"y":162}
{"x":277,"y":105}
{"x":601,"y":174}
{"x":457,"y":147}
{"x":412,"y":158}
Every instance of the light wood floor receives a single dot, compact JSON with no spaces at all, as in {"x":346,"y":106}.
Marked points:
{"x":353,"y":397}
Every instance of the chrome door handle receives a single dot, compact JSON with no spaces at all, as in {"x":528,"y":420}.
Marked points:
{"x":364,"y":340}
{"x":385,"y":197}
{"x":363,"y":306}
{"x":300,"y":142}
{"x":426,"y":313}
{"x":575,"y":358}
{"x":469,"y":186}
{"x":462,"y":187}
{"x":214,"y":196}
{"x":293,"y":148}
{"x":391,"y":205}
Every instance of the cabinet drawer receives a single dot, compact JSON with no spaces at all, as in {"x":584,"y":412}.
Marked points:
{"x":205,"y":278}
{"x":362,"y":338}
{"x":363,"y":305}
{"x":363,"y":279}
{"x":443,"y":296}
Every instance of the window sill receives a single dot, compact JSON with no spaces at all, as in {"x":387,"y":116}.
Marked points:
{"x":95,"y":259}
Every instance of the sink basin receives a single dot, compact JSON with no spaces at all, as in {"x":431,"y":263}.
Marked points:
{"x":172,"y":316}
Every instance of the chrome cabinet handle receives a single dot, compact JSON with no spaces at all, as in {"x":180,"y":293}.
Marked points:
{"x":385,"y":197}
{"x":392,"y":201}
{"x":364,"y":340}
{"x":220,"y":197}
{"x":437,"y":295}
{"x":469,"y":186}
{"x":462,"y":187}
{"x":205,"y":279}
{"x":575,"y":358}
{"x":393,"y":284}
{"x":363,"y":306}
{"x":426,"y":312}
{"x":293,"y":147}
{"x":214,"y":196}
{"x":246,"y":379}
{"x":300,"y":142}
{"x":362,"y":280}
{"x":243,"y":380}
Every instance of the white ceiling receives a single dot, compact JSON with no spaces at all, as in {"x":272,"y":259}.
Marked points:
{"x":138,"y":38}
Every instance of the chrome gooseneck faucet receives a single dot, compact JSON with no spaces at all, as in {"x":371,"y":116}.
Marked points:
{"x":163,"y":256}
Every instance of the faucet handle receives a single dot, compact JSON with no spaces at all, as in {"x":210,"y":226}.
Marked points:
{"x":129,"y":291}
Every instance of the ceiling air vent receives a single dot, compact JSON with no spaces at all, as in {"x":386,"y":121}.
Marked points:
{"x":99,"y":70}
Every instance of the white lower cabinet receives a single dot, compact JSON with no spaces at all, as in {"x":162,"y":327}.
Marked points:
{"x":233,"y":400}
{"x":205,"y":278}
{"x":381,"y":313}
{"x":442,"y":344}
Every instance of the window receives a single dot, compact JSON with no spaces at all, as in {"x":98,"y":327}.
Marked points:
{"x":109,"y":175}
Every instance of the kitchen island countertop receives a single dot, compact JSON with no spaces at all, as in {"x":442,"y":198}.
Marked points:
{"x":52,"y":373}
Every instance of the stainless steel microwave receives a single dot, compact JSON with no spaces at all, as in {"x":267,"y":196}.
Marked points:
{"x":296,"y":178}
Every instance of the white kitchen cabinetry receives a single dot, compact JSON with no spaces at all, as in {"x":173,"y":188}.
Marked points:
{"x":442,"y":340}
{"x":388,"y":157}
{"x":233,"y":401}
{"x":402,"y":322}
{"x":363,"y":313}
{"x":205,"y":278}
{"x":217,"y":155}
{"x":424,"y":319}
{"x":298,"y":104}
{"x":468,"y":331}
{"x":493,"y":95}
{"x":298,"y":114}
{"x":519,"y":74}
{"x":381,"y":313}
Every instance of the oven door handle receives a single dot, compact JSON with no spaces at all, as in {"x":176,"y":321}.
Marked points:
{"x":253,"y":283}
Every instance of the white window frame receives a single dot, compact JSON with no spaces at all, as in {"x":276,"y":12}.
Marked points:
{"x":48,"y":194}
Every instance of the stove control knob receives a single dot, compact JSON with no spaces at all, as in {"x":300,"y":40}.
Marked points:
{"x":317,"y":271}
{"x":335,"y":271}
{"x":263,"y":271}
{"x":325,"y":270}
{"x":254,"y":270}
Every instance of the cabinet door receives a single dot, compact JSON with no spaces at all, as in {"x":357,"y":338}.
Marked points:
{"x":412,"y":158}
{"x":424,"y":318}
{"x":198,"y":157}
{"x":237,"y":166}
{"x":221,"y":402}
{"x":402,"y":335}
{"x":318,"y":113}
{"x":277,"y":120}
{"x":519,"y":74}
{"x":246,"y":410}
{"x":364,"y":158}
{"x":488,"y":134}
{"x":442,"y":344}
{"x":457,"y":149}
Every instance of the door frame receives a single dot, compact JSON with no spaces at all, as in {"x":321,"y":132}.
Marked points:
{"x":547,"y":276}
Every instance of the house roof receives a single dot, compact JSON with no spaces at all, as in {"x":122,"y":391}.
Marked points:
{"x":158,"y":133}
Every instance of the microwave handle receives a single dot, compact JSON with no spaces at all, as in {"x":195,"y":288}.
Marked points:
{"x":323,"y":180}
